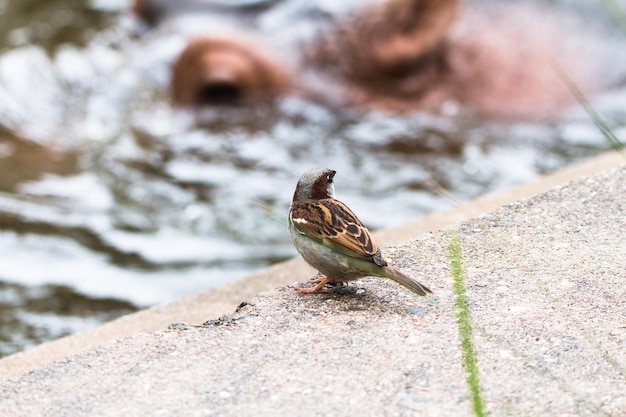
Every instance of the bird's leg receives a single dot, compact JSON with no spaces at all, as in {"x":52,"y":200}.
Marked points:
{"x":320,"y":280}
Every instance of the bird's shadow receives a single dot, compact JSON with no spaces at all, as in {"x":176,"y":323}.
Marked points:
{"x":369,"y":294}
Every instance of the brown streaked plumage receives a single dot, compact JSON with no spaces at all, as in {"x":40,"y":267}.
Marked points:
{"x":332,"y":239}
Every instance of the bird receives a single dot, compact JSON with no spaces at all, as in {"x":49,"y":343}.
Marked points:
{"x":330,"y":237}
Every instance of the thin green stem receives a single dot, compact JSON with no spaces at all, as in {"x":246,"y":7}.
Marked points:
{"x":597,"y":120}
{"x":465,"y":323}
{"x":617,"y":13}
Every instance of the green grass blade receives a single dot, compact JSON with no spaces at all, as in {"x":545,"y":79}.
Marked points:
{"x":597,"y":120}
{"x":617,"y":13}
{"x":465,"y":323}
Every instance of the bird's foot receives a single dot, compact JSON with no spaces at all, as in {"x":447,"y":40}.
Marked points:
{"x":320,"y":281}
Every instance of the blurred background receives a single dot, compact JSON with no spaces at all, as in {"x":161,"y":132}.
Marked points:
{"x":112,"y":199}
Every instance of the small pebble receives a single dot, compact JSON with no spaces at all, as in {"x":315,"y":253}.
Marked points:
{"x":178,"y":326}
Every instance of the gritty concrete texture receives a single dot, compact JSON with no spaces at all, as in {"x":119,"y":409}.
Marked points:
{"x":222,"y":300}
{"x":546,"y":284}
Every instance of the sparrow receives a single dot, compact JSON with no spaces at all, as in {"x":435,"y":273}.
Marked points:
{"x":333,"y":240}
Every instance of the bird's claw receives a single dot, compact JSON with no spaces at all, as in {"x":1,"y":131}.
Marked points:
{"x":320,"y":282}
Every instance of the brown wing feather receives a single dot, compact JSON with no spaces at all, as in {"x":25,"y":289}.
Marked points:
{"x":333,"y":224}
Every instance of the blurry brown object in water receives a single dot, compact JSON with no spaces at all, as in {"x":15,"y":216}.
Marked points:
{"x":399,"y":55}
{"x":391,"y":51}
{"x":214,"y":71}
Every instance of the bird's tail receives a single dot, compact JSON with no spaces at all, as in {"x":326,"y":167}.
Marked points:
{"x":406,"y":281}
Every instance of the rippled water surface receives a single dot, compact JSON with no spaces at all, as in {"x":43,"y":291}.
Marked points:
{"x":111,"y":201}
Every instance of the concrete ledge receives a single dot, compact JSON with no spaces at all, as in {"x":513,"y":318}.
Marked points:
{"x":530,"y":323}
{"x":217,"y":301}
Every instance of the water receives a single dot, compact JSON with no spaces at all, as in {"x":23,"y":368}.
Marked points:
{"x":110,"y":200}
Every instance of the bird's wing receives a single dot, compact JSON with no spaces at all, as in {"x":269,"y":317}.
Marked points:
{"x":331,"y":223}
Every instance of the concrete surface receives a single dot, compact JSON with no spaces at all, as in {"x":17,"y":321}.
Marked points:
{"x":221,"y":300}
{"x":545,"y":280}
